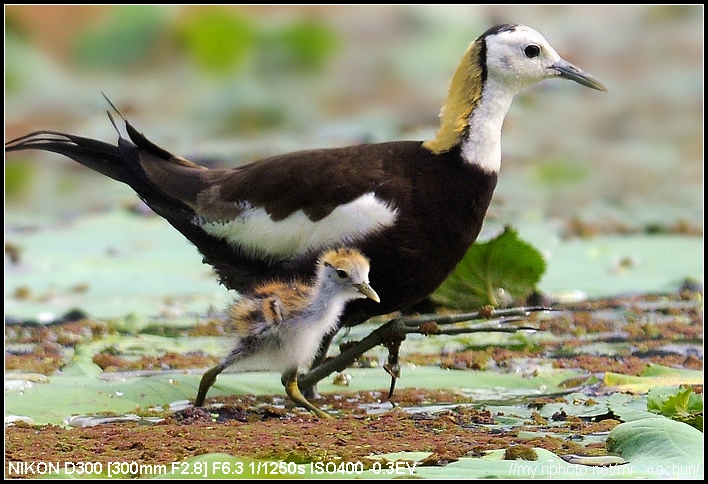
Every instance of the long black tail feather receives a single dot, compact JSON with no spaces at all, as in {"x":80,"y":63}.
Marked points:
{"x":97,"y":155}
{"x":121,"y":162}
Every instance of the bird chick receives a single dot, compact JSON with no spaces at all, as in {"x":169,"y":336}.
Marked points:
{"x":282,"y":323}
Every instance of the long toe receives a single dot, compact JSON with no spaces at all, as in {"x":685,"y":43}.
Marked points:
{"x":320,"y":413}
{"x":293,"y":392}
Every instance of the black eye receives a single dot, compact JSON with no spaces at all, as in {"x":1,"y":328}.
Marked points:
{"x":532,"y":51}
{"x":342,"y":274}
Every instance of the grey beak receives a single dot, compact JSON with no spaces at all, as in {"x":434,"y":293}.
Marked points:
{"x":569,"y":71}
{"x":367,"y":291}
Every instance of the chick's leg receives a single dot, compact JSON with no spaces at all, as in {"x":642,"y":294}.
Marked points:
{"x":206,"y":382}
{"x":289,"y":379}
{"x":245,"y":349}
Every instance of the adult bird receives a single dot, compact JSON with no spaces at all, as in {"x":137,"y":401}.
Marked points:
{"x":281,"y":323}
{"x":412,"y":207}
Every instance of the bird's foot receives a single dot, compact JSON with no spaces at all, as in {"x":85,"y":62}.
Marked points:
{"x":486,"y":320}
{"x":391,"y":366}
{"x":321,"y":413}
{"x":289,"y":379}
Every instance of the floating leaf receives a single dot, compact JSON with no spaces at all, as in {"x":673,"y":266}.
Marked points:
{"x":493,"y":466}
{"x":125,"y":262}
{"x":653,"y":376}
{"x":612,"y":264}
{"x":661,"y":447}
{"x":628,"y":408}
{"x":669,"y":403}
{"x":497,"y":272}
{"x":682,"y":405}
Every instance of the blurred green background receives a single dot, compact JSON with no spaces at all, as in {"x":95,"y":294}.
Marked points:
{"x":231,"y":84}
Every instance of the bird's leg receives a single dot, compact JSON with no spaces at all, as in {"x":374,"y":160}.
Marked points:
{"x":206,"y":382}
{"x":310,"y":389}
{"x":483,"y":321}
{"x":393,"y":344}
{"x":289,"y":379}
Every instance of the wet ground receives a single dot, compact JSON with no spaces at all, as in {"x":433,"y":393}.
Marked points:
{"x":611,"y":337}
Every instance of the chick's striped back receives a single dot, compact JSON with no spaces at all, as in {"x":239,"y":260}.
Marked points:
{"x":269,"y":303}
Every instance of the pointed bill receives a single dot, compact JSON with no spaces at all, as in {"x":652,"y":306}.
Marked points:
{"x":367,"y":291}
{"x":574,"y":73}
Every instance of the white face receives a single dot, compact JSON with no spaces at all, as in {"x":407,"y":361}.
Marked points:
{"x":350,"y":280}
{"x":520,"y":57}
{"x":344,"y":279}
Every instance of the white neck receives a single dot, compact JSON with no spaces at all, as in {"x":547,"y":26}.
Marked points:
{"x":482,"y":144}
{"x":326,"y":307}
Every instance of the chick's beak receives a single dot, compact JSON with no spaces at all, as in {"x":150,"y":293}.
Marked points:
{"x":574,"y":73}
{"x":367,"y":291}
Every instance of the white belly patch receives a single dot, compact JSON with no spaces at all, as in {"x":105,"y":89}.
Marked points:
{"x":254,"y":231}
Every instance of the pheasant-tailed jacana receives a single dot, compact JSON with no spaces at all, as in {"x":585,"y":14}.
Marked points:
{"x":413,"y":207}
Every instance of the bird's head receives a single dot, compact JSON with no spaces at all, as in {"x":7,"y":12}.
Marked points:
{"x":501,"y":62}
{"x":519,"y":56}
{"x":347,"y":270}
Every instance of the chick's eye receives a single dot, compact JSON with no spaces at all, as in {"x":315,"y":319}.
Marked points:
{"x":342,"y":274}
{"x":532,"y":51}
